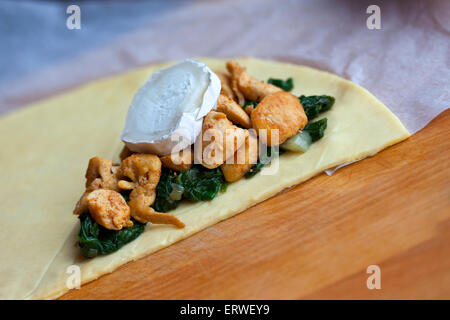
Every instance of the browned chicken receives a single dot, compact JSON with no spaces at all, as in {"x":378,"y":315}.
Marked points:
{"x":144,"y":171}
{"x":243,"y":160}
{"x":179,"y":161}
{"x":219,"y":140}
{"x":281,"y":116}
{"x":233,"y":111}
{"x":109,"y":209}
{"x":225,"y":81}
{"x":252,"y":88}
{"x":100,"y":174}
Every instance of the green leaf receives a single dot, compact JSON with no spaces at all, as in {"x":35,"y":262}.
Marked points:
{"x":314,"y":105}
{"x":224,"y":187}
{"x":254,"y":170}
{"x":94,"y":239}
{"x":163,"y":202}
{"x":286,"y":85}
{"x":271,"y":152}
{"x":200,"y":183}
{"x":316,"y":129}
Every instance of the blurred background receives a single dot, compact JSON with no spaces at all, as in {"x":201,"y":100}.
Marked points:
{"x":405,"y":63}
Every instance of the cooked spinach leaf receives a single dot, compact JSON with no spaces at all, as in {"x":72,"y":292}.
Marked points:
{"x":316,"y":129}
{"x":197,"y":183}
{"x":265,"y":159}
{"x":224,"y":186}
{"x":94,"y":239}
{"x":200,"y":183}
{"x":254,"y":170}
{"x":163,"y":202}
{"x":286,"y":85}
{"x":313,"y":105}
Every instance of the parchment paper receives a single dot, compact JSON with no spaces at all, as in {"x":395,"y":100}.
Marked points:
{"x":406,"y":64}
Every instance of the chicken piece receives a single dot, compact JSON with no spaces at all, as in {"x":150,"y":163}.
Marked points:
{"x":249,"y":109}
{"x":237,"y":94}
{"x":235,"y":171}
{"x":100,"y":174}
{"x":81,"y":205}
{"x":109,"y":209}
{"x":179,"y":161}
{"x":142,"y":212}
{"x":252,"y":88}
{"x":220,"y":140}
{"x":281,"y":115}
{"x":225,"y":81}
{"x":144,"y":171}
{"x":233,"y":111}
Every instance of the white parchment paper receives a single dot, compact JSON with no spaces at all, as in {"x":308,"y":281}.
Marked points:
{"x":405,"y":64}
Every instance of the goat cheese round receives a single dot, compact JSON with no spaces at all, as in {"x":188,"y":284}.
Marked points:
{"x":166,"y":114}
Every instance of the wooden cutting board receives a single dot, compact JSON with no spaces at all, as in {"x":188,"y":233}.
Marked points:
{"x":317,"y":239}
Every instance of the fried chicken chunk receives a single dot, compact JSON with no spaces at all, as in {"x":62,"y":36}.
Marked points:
{"x":179,"y":161}
{"x":280,"y":111}
{"x":144,"y":171}
{"x":232,"y":83}
{"x":233,"y":111}
{"x":109,"y":209}
{"x":252,"y":88}
{"x":242,"y":162}
{"x":249,"y":109}
{"x":225,"y":81}
{"x":220,"y":140}
{"x":100,"y":174}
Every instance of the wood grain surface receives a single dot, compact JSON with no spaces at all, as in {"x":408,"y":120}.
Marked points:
{"x":316,"y":240}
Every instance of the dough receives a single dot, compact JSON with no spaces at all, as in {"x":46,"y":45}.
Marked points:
{"x":46,"y":148}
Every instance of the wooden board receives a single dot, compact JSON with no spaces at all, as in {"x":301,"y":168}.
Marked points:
{"x":317,"y":239}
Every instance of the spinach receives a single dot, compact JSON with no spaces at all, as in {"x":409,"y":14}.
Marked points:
{"x":249,"y":103}
{"x":263,"y":160}
{"x":313,"y":105}
{"x":94,"y":239}
{"x":200,"y":183}
{"x":286,"y":85}
{"x":163,"y":202}
{"x":316,"y":129}
{"x":224,"y":186}
{"x":254,"y":170}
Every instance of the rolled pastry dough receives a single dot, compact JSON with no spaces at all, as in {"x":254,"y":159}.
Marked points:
{"x":46,"y":148}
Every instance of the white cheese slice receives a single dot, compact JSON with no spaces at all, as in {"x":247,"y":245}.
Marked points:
{"x":166,"y":114}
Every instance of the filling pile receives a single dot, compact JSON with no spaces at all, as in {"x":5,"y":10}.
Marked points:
{"x":258,"y":121}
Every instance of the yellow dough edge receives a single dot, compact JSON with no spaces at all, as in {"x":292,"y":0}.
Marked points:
{"x":87,"y":122}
